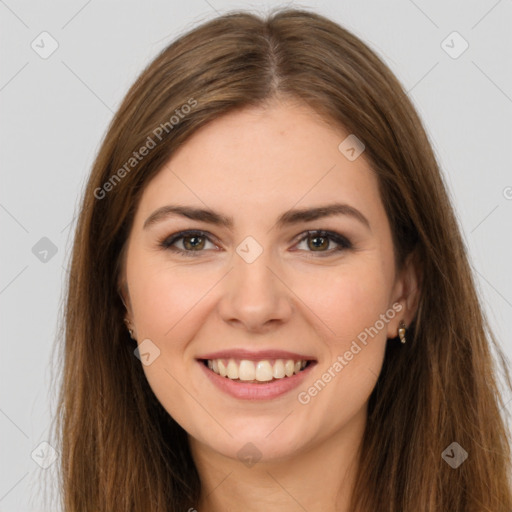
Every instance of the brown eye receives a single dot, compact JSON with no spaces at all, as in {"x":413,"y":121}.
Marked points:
{"x":319,"y":241}
{"x":192,"y":242}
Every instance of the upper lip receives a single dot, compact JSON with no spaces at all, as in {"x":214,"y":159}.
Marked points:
{"x":256,"y":356}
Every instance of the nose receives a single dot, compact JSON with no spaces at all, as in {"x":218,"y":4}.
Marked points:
{"x":255,"y":296}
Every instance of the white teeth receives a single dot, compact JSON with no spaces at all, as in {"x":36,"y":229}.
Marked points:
{"x":232,"y":369}
{"x":262,"y":371}
{"x":222,"y":368}
{"x":278,"y":372}
{"x":246,"y":370}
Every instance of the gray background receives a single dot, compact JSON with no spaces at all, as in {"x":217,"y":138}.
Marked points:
{"x":55,"y":112}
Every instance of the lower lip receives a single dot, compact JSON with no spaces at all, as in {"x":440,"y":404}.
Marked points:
{"x":259,"y":391}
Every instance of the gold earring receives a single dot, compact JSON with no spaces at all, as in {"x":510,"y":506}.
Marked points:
{"x":401,"y":331}
{"x":126,"y":321}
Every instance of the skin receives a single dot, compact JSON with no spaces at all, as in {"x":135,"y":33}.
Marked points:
{"x":253,"y":165}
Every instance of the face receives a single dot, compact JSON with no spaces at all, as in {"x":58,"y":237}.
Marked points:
{"x":248,"y":289}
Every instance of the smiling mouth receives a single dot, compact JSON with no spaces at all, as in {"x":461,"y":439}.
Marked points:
{"x":257,"y":372}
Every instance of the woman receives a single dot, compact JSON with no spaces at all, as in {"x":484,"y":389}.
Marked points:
{"x":213,"y":359}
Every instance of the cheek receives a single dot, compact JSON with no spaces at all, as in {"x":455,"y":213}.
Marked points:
{"x":346,"y":301}
{"x":164,"y":298}
{"x":349,"y":306}
{"x":167,"y":305}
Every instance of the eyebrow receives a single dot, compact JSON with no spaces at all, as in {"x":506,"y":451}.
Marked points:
{"x":288,"y":218}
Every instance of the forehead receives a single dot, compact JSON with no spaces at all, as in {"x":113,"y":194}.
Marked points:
{"x":260,"y":161}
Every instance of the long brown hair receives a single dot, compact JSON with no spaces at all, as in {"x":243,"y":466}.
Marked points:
{"x":120,"y":450}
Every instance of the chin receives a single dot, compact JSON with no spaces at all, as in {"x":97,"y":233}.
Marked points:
{"x":259,"y":443}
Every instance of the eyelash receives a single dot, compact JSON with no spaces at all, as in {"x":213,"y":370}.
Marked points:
{"x":343,"y":243}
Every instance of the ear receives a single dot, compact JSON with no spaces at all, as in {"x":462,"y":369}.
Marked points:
{"x":122,"y":286}
{"x":406,"y":292}
{"x":124,"y":293}
{"x":122,"y":290}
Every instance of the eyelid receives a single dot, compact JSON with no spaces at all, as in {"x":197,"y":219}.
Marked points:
{"x":167,"y":241}
{"x":343,"y":243}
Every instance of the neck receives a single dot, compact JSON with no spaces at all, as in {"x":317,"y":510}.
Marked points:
{"x":319,"y":476}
